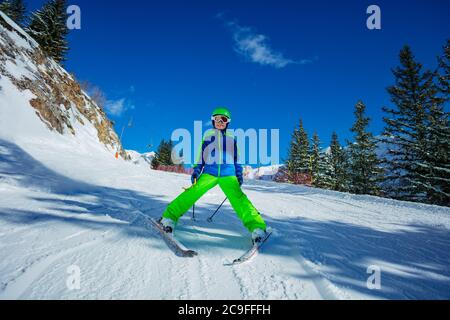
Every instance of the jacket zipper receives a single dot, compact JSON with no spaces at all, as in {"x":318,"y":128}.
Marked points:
{"x":220,"y":152}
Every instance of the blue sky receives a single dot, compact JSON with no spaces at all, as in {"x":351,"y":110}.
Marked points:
{"x":169,"y":63}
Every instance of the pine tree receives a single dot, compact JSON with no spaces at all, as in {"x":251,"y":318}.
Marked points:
{"x":293,"y":152}
{"x":164,"y":155}
{"x":406,"y":128}
{"x":435,"y":166}
{"x":327,"y":177}
{"x":315,"y":158}
{"x":337,"y":165}
{"x":15,"y":9}
{"x":443,"y":74}
{"x":6,"y":8}
{"x":364,"y":166}
{"x":320,"y":165}
{"x":299,"y":153}
{"x":48,"y":28}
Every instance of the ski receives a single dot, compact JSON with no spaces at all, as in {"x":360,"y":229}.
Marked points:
{"x":172,"y":243}
{"x":249,"y":254}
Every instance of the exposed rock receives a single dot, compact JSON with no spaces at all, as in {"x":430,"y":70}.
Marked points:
{"x":59,"y":101}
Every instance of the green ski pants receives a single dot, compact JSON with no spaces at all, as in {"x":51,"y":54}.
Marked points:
{"x":245,"y":210}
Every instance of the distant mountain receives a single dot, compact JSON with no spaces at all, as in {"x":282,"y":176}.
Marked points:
{"x":140,"y":158}
{"x":262,"y":173}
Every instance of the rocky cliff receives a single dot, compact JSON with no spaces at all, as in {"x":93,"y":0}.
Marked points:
{"x":57,"y":97}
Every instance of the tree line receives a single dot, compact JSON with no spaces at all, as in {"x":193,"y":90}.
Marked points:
{"x":47,"y":25}
{"x":416,"y":138}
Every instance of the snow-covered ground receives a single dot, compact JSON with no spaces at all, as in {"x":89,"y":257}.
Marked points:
{"x":61,"y":207}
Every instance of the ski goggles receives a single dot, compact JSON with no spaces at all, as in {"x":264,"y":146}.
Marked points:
{"x":221,"y":119}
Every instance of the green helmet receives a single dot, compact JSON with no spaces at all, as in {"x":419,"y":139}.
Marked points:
{"x":222,"y":112}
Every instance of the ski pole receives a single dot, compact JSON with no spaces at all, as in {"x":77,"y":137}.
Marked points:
{"x":210,"y":219}
{"x":187,"y":188}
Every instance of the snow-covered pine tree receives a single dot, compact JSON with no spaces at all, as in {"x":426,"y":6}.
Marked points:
{"x":337,"y":165}
{"x":364,"y":166}
{"x":315,"y":158}
{"x":406,"y":129}
{"x":164,"y":155}
{"x":48,"y":27}
{"x":15,"y":9}
{"x":5,"y":7}
{"x":292,"y":162}
{"x":436,"y":162}
{"x":299,"y":153}
{"x":443,"y":73}
{"x":319,"y":165}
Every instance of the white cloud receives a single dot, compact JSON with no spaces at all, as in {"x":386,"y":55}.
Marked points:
{"x":115,"y":107}
{"x":255,"y":47}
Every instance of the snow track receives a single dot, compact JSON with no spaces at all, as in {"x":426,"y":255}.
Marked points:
{"x":95,"y":218}
{"x":18,"y":286}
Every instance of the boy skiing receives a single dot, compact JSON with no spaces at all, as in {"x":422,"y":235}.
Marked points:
{"x":217,"y":164}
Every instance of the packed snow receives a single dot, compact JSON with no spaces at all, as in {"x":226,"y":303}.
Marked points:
{"x":21,"y":38}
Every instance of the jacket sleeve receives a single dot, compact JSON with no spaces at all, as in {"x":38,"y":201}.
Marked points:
{"x":200,"y":161}
{"x":237,"y":165}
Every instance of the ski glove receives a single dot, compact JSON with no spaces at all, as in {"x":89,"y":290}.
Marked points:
{"x":194,"y":177}
{"x":196,"y":174}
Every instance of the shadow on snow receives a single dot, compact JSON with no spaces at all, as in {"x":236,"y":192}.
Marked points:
{"x":415,"y":262}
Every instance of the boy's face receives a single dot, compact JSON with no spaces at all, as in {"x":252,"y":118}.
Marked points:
{"x":219,"y":124}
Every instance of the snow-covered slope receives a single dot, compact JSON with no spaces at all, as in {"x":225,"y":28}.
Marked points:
{"x":40,"y":101}
{"x":60,"y":210}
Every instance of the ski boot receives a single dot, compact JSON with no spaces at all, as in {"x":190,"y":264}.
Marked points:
{"x":258,"y":236}
{"x":167,"y":224}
